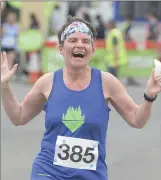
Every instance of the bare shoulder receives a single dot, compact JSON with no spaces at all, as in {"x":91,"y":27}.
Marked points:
{"x":44,"y":84}
{"x":110,"y":84}
{"x":107,"y":77}
{"x":45,"y":77}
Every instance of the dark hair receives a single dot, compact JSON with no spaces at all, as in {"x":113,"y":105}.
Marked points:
{"x":129,"y":17}
{"x":70,"y":20}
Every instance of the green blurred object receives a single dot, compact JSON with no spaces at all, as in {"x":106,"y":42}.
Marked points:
{"x":51,"y":60}
{"x":98,"y":59}
{"x":30,"y":40}
{"x":16,"y":4}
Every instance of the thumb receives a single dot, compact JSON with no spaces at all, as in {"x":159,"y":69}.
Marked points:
{"x":152,"y":74}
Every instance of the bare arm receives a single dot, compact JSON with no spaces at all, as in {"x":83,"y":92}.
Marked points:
{"x":135,"y":115}
{"x":31,"y":106}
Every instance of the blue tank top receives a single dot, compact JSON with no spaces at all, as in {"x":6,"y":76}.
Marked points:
{"x":76,"y":125}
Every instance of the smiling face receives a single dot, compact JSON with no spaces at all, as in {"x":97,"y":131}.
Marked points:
{"x":77,"y":50}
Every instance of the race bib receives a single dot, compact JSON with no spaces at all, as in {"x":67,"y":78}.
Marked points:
{"x":76,"y":153}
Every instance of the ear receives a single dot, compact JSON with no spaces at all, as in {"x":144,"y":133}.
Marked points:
{"x":93,"y":49}
{"x":61,"y":49}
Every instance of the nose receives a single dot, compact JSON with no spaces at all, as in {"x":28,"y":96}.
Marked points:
{"x":79,"y":44}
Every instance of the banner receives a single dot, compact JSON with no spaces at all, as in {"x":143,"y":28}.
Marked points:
{"x":140,"y":62}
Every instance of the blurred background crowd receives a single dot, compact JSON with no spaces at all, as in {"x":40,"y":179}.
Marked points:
{"x":29,"y":35}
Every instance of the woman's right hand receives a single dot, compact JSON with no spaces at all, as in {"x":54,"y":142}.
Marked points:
{"x":6,"y":73}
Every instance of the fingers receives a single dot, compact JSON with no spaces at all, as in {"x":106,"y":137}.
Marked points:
{"x":152,"y":74}
{"x":13,"y":70}
{"x":158,"y":78}
{"x":158,"y":75}
{"x":5,"y":58}
{"x":9,"y":75}
{"x":2,"y":59}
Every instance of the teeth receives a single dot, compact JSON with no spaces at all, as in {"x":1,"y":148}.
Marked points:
{"x":78,"y":53}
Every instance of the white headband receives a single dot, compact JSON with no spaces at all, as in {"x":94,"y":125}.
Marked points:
{"x":76,"y":26}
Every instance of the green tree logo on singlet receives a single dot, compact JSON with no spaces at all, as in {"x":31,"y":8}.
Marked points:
{"x":73,"y":118}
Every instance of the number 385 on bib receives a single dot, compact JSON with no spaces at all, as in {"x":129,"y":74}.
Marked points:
{"x":76,"y":153}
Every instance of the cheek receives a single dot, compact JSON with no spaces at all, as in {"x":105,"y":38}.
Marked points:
{"x":68,"y":50}
{"x":91,"y":51}
{"x":67,"y":54}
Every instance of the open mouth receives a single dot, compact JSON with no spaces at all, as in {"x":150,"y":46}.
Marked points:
{"x":78,"y":54}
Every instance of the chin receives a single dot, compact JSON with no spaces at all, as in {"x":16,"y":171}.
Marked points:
{"x":78,"y":65}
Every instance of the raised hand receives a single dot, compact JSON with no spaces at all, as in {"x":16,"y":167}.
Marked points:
{"x":153,"y":85}
{"x":6,"y":73}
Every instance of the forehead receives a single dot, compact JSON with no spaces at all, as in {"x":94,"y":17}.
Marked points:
{"x":79,"y":35}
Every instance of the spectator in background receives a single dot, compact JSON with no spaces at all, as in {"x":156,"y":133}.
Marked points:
{"x":100,"y":27}
{"x":126,"y":28}
{"x":87,"y":17}
{"x":73,"y":7}
{"x":34,"y":23}
{"x":57,"y":20}
{"x":153,"y":28}
{"x":83,"y":13}
{"x":11,"y":6}
{"x":10,"y":33}
{"x":116,"y":52}
{"x":127,"y":37}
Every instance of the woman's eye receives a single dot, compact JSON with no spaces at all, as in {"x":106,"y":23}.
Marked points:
{"x":87,"y":42}
{"x":72,"y":40}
